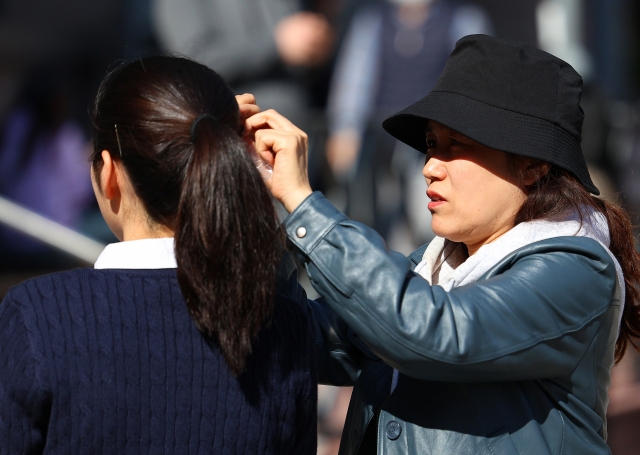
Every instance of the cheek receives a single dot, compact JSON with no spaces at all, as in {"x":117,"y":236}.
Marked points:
{"x":500,"y":200}
{"x":471,"y":188}
{"x":481,"y":198}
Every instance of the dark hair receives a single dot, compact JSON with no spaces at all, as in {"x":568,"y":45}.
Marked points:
{"x":207,"y":190}
{"x":556,"y":193}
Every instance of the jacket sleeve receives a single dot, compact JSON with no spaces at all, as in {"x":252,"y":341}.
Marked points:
{"x":24,"y":405}
{"x":338,"y":354}
{"x":532,"y":318}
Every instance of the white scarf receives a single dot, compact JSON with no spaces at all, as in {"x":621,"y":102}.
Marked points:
{"x":446,"y":264}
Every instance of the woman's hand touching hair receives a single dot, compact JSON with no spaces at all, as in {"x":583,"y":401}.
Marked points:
{"x":247,"y":105}
{"x":284,"y":147}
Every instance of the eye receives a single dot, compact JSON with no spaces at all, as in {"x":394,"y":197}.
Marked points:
{"x":453,"y":141}
{"x":431,"y":143}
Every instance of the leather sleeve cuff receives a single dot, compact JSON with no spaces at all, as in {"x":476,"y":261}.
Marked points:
{"x":310,"y":222}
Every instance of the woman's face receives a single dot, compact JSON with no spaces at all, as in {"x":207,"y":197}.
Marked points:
{"x":473,"y":198}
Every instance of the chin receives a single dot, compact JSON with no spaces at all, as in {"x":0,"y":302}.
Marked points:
{"x":439,"y":227}
{"x":449,"y":234}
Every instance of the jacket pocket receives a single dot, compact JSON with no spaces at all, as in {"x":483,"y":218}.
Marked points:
{"x":501,"y":444}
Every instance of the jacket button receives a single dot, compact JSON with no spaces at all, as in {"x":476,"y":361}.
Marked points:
{"x":393,"y":430}
{"x":301,"y":232}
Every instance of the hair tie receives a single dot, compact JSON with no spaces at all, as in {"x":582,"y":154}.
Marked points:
{"x":192,"y":130}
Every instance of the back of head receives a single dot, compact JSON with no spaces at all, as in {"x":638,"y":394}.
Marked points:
{"x":197,"y":178}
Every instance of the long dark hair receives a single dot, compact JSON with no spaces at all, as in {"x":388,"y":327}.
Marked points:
{"x":556,"y":193}
{"x":206,"y":190}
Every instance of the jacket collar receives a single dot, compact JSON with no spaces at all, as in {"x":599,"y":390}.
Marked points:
{"x":416,"y":256}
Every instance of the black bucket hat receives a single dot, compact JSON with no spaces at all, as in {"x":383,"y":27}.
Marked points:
{"x":508,"y":96}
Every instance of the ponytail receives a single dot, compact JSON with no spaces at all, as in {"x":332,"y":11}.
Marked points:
{"x":198,"y":179}
{"x":228,"y":244}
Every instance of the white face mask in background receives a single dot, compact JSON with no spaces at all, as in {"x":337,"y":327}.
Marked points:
{"x":411,"y":2}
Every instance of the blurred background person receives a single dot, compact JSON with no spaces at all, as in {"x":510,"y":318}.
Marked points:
{"x":279,"y":50}
{"x":260,"y":46}
{"x":43,"y":166}
{"x":52,"y":56}
{"x":393,"y":53}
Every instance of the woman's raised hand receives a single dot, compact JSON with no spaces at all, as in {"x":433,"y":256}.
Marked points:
{"x":283,"y":146}
{"x":247,"y":104}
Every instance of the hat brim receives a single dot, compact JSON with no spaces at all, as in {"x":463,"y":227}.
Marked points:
{"x":492,"y":126}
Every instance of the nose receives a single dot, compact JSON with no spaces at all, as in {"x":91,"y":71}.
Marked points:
{"x":433,"y":169}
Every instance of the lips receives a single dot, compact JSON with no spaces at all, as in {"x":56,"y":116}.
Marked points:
{"x":436,"y":199}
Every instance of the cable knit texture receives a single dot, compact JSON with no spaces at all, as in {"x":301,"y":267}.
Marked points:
{"x":109,"y":361}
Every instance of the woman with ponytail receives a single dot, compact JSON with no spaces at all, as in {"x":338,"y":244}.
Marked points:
{"x":183,"y":338}
{"x":499,"y":336}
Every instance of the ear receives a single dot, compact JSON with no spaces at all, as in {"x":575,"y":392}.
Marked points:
{"x":109,"y":176}
{"x":534,"y":170}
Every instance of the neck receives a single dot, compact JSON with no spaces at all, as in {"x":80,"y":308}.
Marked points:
{"x":473,"y":247}
{"x":142,"y":228}
{"x":139,"y":234}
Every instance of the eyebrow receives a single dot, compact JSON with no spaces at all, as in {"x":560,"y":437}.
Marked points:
{"x":428,"y":129}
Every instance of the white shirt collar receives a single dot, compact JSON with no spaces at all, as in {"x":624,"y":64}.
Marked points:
{"x":138,"y":254}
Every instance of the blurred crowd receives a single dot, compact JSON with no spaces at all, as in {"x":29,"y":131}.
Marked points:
{"x":336,"y":68}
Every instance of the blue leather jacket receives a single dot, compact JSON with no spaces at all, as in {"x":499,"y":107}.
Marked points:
{"x":515,"y":363}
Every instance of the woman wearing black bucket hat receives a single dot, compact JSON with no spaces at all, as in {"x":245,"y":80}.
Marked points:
{"x":499,"y":336}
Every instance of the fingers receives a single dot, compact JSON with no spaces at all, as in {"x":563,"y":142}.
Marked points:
{"x":273,"y":134}
{"x":271,"y":142}
{"x":248,"y":107}
{"x":248,"y":110}
{"x":270,"y":119}
{"x":282,"y":148}
{"x":245,"y":98}
{"x":286,"y":153}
